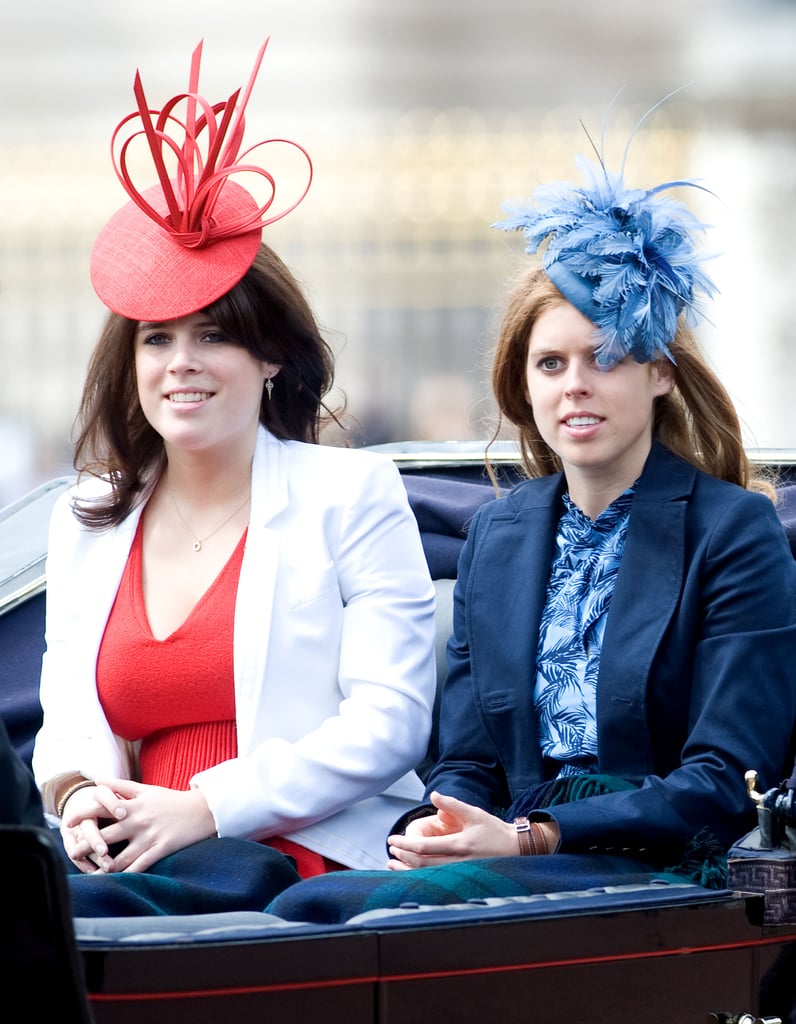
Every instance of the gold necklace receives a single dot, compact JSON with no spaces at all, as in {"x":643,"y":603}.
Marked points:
{"x":197,"y":542}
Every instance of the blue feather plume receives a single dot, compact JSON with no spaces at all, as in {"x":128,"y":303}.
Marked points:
{"x":624,"y":256}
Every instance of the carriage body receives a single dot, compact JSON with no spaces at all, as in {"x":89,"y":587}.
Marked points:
{"x":654,"y":953}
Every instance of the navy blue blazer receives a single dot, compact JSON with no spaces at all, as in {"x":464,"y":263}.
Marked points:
{"x":697,"y":678}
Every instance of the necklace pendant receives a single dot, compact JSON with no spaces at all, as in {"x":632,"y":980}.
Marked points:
{"x":199,"y":541}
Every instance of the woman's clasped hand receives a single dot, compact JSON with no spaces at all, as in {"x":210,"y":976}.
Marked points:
{"x":457,"y":831}
{"x":146,"y":822}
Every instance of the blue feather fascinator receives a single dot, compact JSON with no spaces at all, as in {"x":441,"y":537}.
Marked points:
{"x":624,"y":257}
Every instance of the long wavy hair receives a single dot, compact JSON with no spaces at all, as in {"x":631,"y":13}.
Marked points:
{"x":696,"y":419}
{"x":268,"y":314}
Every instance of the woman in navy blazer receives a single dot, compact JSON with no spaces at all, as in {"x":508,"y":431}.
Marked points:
{"x":685,"y":627}
{"x":696,"y":681}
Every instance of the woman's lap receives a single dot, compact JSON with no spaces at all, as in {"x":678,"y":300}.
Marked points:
{"x":214,"y":875}
{"x":218,"y":875}
{"x":336,"y":897}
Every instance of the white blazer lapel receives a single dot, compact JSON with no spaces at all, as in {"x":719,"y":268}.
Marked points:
{"x":88,"y":579}
{"x":109,"y":564}
{"x":256,"y":585}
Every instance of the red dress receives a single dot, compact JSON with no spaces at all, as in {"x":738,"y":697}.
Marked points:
{"x":177,"y":695}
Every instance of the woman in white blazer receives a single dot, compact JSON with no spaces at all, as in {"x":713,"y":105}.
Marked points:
{"x":230,"y":604}
{"x":322,"y":619}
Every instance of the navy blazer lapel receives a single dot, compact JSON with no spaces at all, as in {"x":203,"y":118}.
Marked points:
{"x":647,"y":590}
{"x":508,"y":586}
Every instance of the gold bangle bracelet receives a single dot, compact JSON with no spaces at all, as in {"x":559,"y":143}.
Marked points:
{"x":69,"y":792}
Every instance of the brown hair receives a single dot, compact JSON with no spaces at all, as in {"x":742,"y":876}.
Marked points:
{"x":268,"y":314}
{"x":696,"y":419}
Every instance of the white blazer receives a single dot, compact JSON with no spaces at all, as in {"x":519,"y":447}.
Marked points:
{"x":333,"y":654}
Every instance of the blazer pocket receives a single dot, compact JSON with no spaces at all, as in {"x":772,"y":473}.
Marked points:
{"x":498,"y":703}
{"x":311,"y":590}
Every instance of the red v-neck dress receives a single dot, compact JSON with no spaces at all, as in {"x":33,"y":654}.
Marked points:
{"x":177,"y":695}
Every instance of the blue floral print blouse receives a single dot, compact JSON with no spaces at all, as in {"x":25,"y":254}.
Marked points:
{"x":579,"y":591}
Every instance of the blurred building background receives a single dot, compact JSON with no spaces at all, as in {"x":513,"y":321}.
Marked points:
{"x":421,"y":117}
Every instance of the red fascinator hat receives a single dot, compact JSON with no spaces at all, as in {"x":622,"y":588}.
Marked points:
{"x":181,"y":244}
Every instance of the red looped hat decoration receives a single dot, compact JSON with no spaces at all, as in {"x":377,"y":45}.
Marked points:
{"x":181,"y":244}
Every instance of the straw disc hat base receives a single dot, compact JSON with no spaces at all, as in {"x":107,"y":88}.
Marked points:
{"x":140,"y":271}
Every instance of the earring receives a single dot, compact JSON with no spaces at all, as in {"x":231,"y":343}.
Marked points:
{"x":269,"y":386}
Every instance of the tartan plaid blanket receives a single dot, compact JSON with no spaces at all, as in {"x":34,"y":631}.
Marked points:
{"x":212,"y":875}
{"x":337,"y":897}
{"x":218,"y":875}
{"x":564,"y":791}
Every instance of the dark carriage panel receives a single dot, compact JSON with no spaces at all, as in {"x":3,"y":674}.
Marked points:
{"x":677,"y":956}
{"x":327,"y":977}
{"x":660,"y":966}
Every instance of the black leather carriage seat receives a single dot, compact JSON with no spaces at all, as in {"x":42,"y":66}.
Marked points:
{"x":42,"y":969}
